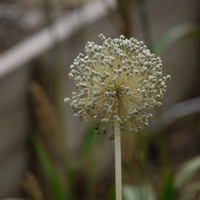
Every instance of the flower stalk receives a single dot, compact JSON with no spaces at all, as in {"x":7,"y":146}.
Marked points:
{"x":116,"y":83}
{"x":118,"y":165}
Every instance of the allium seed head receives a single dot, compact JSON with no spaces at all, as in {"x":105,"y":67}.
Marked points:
{"x":116,"y":81}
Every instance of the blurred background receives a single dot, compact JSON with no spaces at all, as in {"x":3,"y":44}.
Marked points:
{"x":46,"y":153}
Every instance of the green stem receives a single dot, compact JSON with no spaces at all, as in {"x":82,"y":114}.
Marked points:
{"x":118,"y":165}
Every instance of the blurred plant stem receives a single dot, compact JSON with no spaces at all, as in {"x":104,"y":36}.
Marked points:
{"x":57,"y":78}
{"x":118,"y":167}
{"x":56,"y":184}
{"x":32,"y":188}
{"x":145,"y":24}
{"x":124,"y":9}
{"x":166,"y":171}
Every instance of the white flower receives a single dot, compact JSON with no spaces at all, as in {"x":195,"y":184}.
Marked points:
{"x":116,"y":81}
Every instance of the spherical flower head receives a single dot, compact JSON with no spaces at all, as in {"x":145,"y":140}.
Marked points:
{"x":116,"y":81}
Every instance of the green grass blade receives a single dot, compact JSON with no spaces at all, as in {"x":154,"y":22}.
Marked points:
{"x":175,"y":34}
{"x":138,"y":193}
{"x":49,"y":170}
{"x":111,"y":195}
{"x":87,"y":142}
{"x":169,"y":190}
{"x":187,"y":172}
